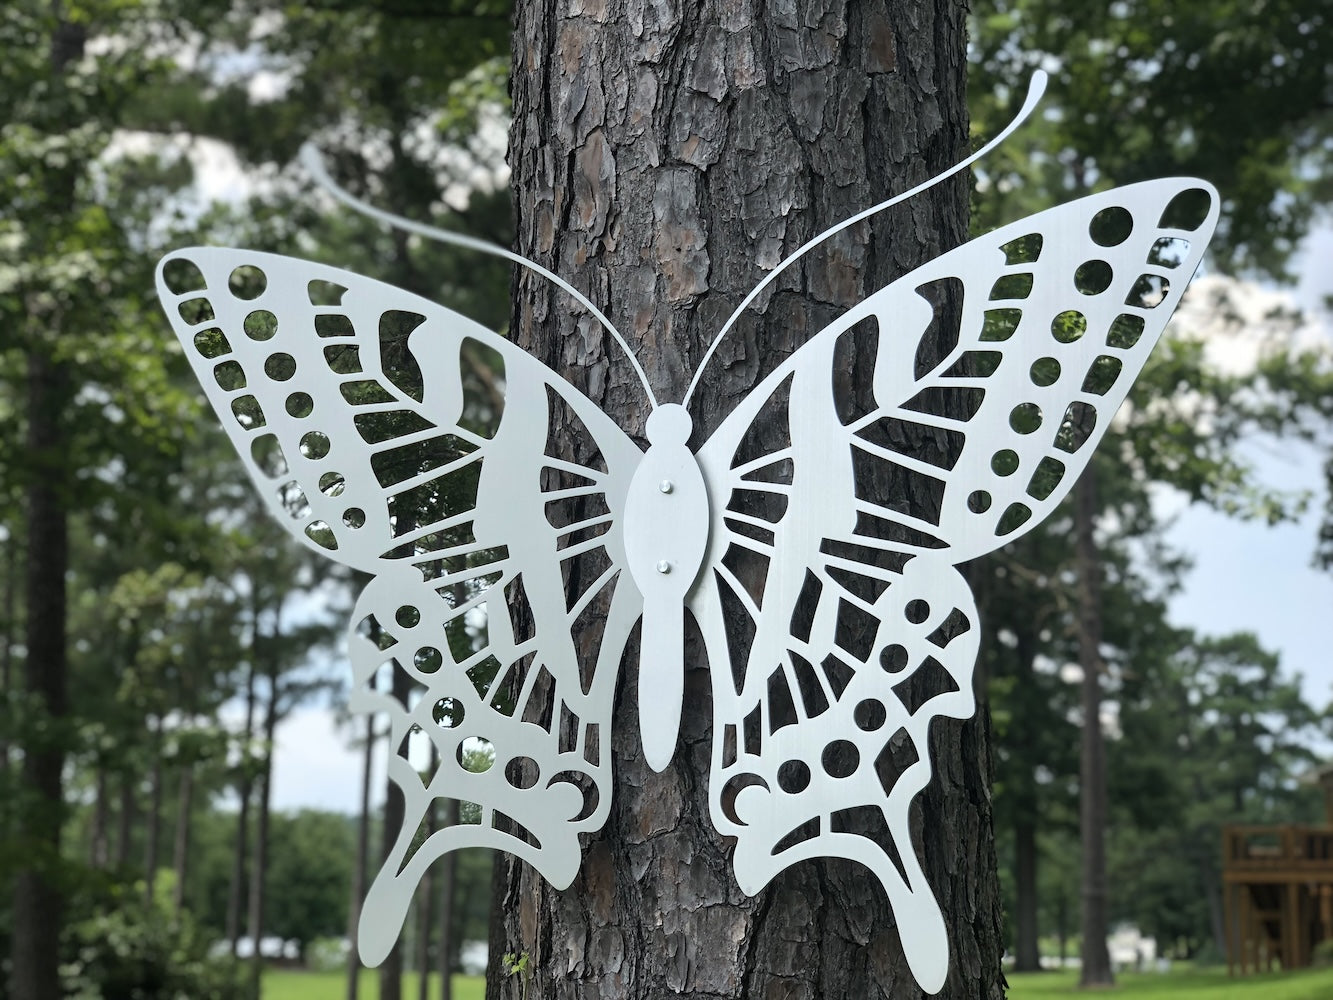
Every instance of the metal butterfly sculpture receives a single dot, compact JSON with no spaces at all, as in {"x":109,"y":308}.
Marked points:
{"x":508,"y":576}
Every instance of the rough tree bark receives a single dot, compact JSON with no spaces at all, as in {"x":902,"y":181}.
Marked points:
{"x":1096,"y":969}
{"x":664,"y":157}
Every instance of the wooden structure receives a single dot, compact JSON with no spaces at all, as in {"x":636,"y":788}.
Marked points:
{"x":1278,"y":890}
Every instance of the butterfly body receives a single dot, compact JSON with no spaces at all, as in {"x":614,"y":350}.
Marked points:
{"x":666,"y":536}
{"x":813,"y":537}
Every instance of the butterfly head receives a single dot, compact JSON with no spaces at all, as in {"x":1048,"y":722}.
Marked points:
{"x":669,"y":424}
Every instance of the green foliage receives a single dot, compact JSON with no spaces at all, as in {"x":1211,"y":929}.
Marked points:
{"x":128,"y":948}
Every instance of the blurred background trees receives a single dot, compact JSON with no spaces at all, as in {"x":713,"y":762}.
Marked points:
{"x":154,"y":632}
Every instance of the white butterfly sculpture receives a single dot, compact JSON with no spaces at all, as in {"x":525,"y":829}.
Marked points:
{"x":508,"y":577}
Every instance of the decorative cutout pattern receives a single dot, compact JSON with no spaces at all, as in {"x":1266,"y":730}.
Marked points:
{"x":813,"y":537}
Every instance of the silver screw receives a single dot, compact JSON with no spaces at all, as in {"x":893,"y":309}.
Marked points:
{"x":666,"y":486}
{"x":664,"y":567}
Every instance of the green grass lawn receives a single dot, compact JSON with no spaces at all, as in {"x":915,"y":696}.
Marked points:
{"x":1211,"y":984}
{"x":288,"y":985}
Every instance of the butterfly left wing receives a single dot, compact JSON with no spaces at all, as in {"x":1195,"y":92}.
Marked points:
{"x":830,"y":585}
{"x":497,"y":600}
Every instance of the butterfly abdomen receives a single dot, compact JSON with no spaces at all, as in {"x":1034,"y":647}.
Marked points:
{"x":666,"y":535}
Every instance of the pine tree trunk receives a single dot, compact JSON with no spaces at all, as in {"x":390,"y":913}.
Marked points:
{"x":125,"y":819}
{"x":448,"y":883}
{"x":1022,"y":785}
{"x":663,"y":158}
{"x":99,"y":847}
{"x":1096,"y":969}
{"x":150,"y":856}
{"x":425,"y":915}
{"x":181,"y":847}
{"x":361,"y":874}
{"x":38,"y":912}
{"x":259,"y":870}
{"x":245,"y":791}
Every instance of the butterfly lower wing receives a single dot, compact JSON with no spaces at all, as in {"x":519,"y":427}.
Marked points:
{"x":404,"y":440}
{"x":829,"y":587}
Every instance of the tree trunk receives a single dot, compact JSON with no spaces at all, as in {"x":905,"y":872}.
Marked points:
{"x":448,"y":881}
{"x":245,"y":790}
{"x":391,"y":970}
{"x":8,"y":641}
{"x":1023,"y":790}
{"x":259,"y":870}
{"x":361,"y":874}
{"x":663,"y":158}
{"x":38,"y":913}
{"x":38,"y":901}
{"x":125,"y":819}
{"x":150,"y":857}
{"x":1096,"y":970}
{"x":425,"y":913}
{"x":181,"y":848}
{"x":99,"y":846}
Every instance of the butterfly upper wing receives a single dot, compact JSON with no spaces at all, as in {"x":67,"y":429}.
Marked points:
{"x":404,"y":440}
{"x":830,"y":586}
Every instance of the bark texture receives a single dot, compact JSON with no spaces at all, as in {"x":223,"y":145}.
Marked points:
{"x":666,"y":156}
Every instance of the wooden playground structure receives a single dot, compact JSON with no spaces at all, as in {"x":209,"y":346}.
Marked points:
{"x":1277,"y":890}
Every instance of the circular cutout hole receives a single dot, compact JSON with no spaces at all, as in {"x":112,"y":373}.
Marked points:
{"x":1069,"y":326}
{"x":261,"y":325}
{"x":408,"y":616}
{"x":448,"y":713}
{"x":1111,"y":226}
{"x":299,"y":404}
{"x":893,"y":657}
{"x":841,"y":759}
{"x":476,"y":754}
{"x":916,"y":611}
{"x":1004,"y":462}
{"x":427,"y":659}
{"x":314,"y":444}
{"x":978,"y":501}
{"x":1044,"y":372}
{"x":181,"y":276}
{"x":354,"y":517}
{"x":870,"y":715}
{"x":280,"y":367}
{"x":794,"y":776}
{"x":1025,"y":418}
{"x":332,"y":484}
{"x":1093,"y":277}
{"x":522,"y":772}
{"x":247,"y":282}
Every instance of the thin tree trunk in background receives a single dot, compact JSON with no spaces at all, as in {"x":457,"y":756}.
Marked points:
{"x":259,"y":870}
{"x":425,"y":912}
{"x":150,"y":861}
{"x":361,"y":873}
{"x":664,"y":157}
{"x":8,"y":640}
{"x":391,"y":971}
{"x":1096,"y":969}
{"x":1022,"y":782}
{"x":181,"y":849}
{"x":448,"y":883}
{"x":99,"y":847}
{"x":125,"y":819}
{"x":245,"y":789}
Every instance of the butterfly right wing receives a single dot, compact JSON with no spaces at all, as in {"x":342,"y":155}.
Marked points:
{"x":406,"y":441}
{"x":836,"y":623}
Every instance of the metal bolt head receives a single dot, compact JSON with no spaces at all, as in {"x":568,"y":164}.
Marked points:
{"x":664,"y":567}
{"x":666,"y":486}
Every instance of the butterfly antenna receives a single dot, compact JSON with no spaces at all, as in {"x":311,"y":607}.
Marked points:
{"x":313,"y":162}
{"x":1036,"y":87}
